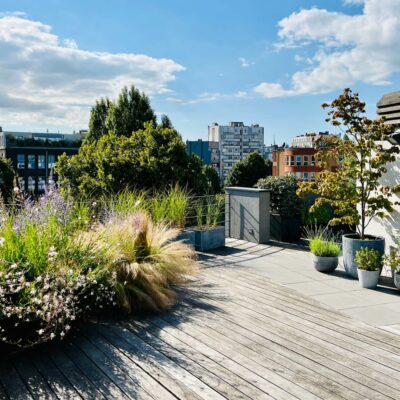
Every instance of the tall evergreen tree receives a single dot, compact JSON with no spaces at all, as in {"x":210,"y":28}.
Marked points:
{"x":97,"y":122}
{"x":129,"y":112}
{"x":166,"y":122}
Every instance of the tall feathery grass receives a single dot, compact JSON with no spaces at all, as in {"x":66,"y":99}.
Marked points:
{"x":145,"y":260}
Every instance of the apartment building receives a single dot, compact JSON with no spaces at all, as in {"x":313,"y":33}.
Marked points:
{"x":34,"y":155}
{"x":300,"y":158}
{"x":231,"y":143}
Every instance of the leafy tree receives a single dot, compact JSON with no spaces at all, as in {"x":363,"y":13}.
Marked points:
{"x":212,"y":177}
{"x":129,"y":112}
{"x":354,"y":189}
{"x":98,"y":118}
{"x":248,"y":171}
{"x":166,"y":122}
{"x":7,"y":176}
{"x":151,"y":158}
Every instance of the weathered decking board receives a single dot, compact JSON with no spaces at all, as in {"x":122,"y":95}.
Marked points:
{"x":235,"y":334}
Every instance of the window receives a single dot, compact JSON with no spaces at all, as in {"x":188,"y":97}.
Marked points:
{"x":312,"y":176}
{"x":41,"y":161}
{"x":31,"y":184}
{"x":298,"y":160}
{"x":305,"y":163}
{"x":41,"y":183}
{"x":21,"y":183}
{"x":21,"y":161}
{"x":298,"y":175}
{"x":313,"y":161}
{"x":305,"y":176}
{"x":51,"y":159}
{"x":31,"y":162}
{"x":287,"y":160}
{"x":291,"y":160}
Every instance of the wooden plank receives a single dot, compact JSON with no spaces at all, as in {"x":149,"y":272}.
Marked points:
{"x":131,"y":370}
{"x":14,"y":386}
{"x":129,"y":387}
{"x":387,"y":363}
{"x":35,"y":382}
{"x":210,"y":372}
{"x":54,"y":378}
{"x":371,"y":334}
{"x":109,"y":389}
{"x":289,"y":339}
{"x":123,"y":339}
{"x":78,"y":380}
{"x":175,"y":370}
{"x":256,"y":374}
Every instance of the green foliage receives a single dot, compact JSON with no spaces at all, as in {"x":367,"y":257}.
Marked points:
{"x":323,"y":248}
{"x":284,"y":199}
{"x":150,"y":159}
{"x":368,"y":259}
{"x":248,"y":171}
{"x":354,"y":190}
{"x":209,"y":211}
{"x":392,"y":259}
{"x":319,"y":215}
{"x":7,"y":176}
{"x":127,"y":114}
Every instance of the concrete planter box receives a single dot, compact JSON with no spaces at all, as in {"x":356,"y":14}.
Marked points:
{"x":325,"y":264}
{"x":209,"y":238}
{"x":187,"y":237}
{"x":351,"y":243}
{"x":368,"y":279}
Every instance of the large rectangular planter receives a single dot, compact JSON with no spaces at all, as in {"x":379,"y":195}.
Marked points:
{"x":284,"y":229}
{"x":187,"y":237}
{"x":209,"y":238}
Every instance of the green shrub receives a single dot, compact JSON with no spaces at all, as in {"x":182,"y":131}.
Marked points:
{"x":284,"y":199}
{"x":323,"y":248}
{"x":369,"y":259}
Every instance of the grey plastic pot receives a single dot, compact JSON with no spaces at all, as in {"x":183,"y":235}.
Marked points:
{"x":368,"y":279}
{"x":325,"y":264}
{"x":351,"y":243}
{"x":396,"y":279}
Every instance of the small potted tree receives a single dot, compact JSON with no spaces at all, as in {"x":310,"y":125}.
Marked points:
{"x":369,"y":266}
{"x":285,"y":207}
{"x":324,"y":249}
{"x":353,"y":189}
{"x":210,"y":230}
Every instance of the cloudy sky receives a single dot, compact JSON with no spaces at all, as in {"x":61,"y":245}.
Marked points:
{"x":204,"y":61}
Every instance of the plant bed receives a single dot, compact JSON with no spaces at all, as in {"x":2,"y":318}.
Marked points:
{"x":352,"y":243}
{"x":209,"y":238}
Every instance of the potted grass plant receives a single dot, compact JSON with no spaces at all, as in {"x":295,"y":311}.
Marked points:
{"x":353,"y":187}
{"x":369,"y":266}
{"x":210,"y":231}
{"x":324,"y":248}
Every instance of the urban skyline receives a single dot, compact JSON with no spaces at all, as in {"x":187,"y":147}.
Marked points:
{"x":282,"y":61}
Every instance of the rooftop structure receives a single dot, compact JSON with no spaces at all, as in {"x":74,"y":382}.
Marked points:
{"x":389,"y":108}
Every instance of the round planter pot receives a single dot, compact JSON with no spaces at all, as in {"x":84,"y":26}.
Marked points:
{"x":351,"y":243}
{"x":368,"y":279}
{"x":325,"y":264}
{"x":396,"y":279}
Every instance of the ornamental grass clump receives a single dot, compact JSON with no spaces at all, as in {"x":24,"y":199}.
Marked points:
{"x":323,"y":248}
{"x":145,"y":261}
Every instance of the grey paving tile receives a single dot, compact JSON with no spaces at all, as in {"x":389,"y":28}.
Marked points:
{"x":377,"y":315}
{"x":313,"y":288}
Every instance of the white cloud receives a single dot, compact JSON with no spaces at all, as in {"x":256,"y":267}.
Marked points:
{"x":46,"y":81}
{"x":350,"y":48}
{"x":209,"y":97}
{"x":353,"y":2}
{"x":245,"y":63}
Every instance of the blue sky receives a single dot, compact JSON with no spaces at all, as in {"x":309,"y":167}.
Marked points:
{"x":258,"y":61}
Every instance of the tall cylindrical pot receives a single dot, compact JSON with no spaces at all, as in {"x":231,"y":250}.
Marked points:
{"x":351,"y":243}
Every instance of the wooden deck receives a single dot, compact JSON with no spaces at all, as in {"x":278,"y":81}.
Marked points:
{"x":235,"y":335}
